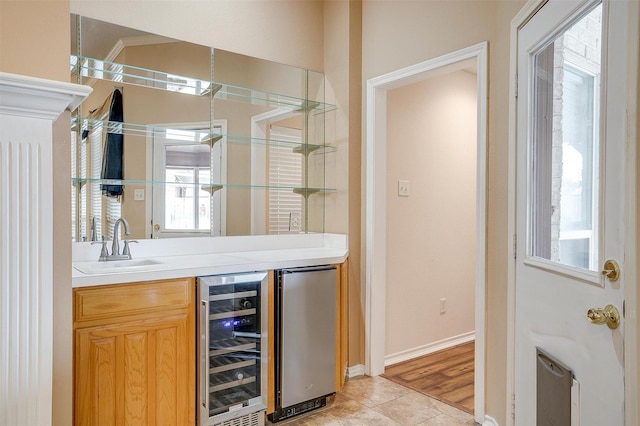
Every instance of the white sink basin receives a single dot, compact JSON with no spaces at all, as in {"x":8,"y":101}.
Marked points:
{"x":118,"y":266}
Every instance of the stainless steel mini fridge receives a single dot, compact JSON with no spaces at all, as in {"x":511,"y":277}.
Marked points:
{"x":232,"y":347}
{"x":305,"y":339}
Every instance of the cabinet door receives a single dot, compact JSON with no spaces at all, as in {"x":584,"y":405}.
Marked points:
{"x":137,"y":373}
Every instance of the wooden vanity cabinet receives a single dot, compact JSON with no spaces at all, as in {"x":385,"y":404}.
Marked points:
{"x":134,"y":356}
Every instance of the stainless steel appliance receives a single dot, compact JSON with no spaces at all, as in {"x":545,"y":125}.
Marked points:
{"x":232,"y":347}
{"x":305,"y":339}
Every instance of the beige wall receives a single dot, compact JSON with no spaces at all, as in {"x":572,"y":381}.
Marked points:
{"x":290,"y":32}
{"x":431,"y":235}
{"x":342,"y":60}
{"x":34,"y":38}
{"x":396,"y":35}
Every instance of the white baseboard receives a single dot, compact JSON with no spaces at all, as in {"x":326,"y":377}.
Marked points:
{"x":489,"y":421}
{"x":355,"y":371}
{"x":429,"y":348}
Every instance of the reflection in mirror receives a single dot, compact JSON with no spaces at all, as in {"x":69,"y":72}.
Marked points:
{"x":565,"y":153}
{"x":214,"y":143}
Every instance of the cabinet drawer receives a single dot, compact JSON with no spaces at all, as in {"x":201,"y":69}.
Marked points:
{"x":132,"y":299}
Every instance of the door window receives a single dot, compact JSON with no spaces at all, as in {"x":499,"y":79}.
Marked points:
{"x":189,"y":169}
{"x":564,"y":156}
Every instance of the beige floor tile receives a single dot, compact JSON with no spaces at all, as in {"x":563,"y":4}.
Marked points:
{"x":409,"y":410}
{"x":372,"y":391}
{"x":444,"y":420}
{"x":366,"y":401}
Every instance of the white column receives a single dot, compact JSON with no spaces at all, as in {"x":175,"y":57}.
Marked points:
{"x":28,"y":108}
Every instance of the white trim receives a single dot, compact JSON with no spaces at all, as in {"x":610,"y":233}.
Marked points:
{"x":489,"y":421}
{"x":38,"y":98}
{"x":523,"y":15}
{"x":142,"y":40}
{"x":631,"y":226}
{"x":374,"y":158}
{"x":355,"y":371}
{"x":28,"y":107}
{"x":429,"y":348}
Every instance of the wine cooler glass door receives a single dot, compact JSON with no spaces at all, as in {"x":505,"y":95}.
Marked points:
{"x":232,"y":363}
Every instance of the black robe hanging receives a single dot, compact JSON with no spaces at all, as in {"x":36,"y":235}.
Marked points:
{"x":112,"y":161}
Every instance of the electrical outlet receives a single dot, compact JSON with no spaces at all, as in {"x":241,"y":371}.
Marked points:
{"x":294,"y":222}
{"x":443,"y":305}
{"x":138,"y":194}
{"x":403,"y":188}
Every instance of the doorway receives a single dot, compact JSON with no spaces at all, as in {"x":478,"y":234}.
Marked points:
{"x":376,"y":194}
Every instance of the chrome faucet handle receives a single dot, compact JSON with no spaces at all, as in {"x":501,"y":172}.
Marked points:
{"x":126,"y":251}
{"x":104,"y":253}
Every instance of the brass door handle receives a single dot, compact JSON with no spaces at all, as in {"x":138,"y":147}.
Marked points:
{"x":611,"y":270}
{"x":609,"y":315}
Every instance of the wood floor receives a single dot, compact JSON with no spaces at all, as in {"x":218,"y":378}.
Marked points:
{"x":445,"y":375}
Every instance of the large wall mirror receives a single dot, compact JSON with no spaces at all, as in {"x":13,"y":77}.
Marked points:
{"x":186,"y":140}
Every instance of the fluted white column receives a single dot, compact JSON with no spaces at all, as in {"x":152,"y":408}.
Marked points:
{"x":28,"y":107}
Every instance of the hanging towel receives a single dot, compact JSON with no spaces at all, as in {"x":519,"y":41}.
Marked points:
{"x":113,"y":148}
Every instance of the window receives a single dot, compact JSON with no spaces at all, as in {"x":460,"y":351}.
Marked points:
{"x":187,"y":205}
{"x":94,"y":208}
{"x":189,"y":175}
{"x":284,"y":173}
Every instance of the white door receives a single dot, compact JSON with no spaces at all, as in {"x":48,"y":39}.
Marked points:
{"x":189,"y":176}
{"x":570,"y":213}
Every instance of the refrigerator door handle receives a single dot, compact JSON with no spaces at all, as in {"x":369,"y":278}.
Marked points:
{"x":204,"y":316}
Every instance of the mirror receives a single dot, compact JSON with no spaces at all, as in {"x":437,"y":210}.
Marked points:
{"x":186,"y":140}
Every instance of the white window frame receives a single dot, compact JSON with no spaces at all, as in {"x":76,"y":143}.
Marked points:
{"x":155,"y":173}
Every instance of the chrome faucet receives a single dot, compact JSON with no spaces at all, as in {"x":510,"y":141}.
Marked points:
{"x":115,"y":247}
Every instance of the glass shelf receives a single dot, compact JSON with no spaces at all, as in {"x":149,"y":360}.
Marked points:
{"x":209,"y":187}
{"x":90,"y":68}
{"x":134,"y":129}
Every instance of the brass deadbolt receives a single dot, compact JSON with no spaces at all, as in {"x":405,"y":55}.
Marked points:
{"x":611,"y":270}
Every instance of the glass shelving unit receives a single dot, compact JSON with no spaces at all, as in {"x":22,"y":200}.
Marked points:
{"x":166,"y":86}
{"x":91,"y":68}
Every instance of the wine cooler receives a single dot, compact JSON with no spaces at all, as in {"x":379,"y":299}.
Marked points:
{"x":232,"y":347}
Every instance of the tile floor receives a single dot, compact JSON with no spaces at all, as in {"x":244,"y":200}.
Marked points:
{"x":377,"y":401}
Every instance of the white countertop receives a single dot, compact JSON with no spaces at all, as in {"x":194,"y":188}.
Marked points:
{"x":190,"y":257}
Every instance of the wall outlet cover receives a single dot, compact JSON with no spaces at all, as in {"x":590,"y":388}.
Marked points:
{"x":403,"y":188}
{"x":138,"y":194}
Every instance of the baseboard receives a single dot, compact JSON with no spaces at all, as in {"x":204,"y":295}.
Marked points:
{"x":355,"y":371}
{"x":429,"y":348}
{"x":489,"y":421}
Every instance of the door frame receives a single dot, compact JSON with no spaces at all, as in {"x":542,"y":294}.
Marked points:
{"x":630,"y":290}
{"x":374,"y":159}
{"x":259,"y":169}
{"x":150,"y":161}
